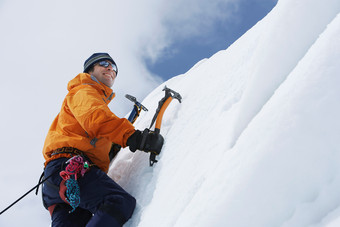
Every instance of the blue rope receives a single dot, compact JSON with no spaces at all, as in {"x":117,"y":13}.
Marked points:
{"x":72,"y":193}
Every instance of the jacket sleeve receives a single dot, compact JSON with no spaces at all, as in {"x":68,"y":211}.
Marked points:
{"x":95,"y":117}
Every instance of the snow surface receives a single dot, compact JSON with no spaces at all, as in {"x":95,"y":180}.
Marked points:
{"x":256,"y":139}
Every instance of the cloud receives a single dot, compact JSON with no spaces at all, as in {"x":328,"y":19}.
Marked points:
{"x":54,"y":38}
{"x":44,"y":44}
{"x":184,"y":20}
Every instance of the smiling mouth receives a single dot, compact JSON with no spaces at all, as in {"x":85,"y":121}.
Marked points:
{"x":109,"y":75}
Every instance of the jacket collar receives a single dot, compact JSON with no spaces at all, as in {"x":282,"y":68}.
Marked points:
{"x":87,"y":79}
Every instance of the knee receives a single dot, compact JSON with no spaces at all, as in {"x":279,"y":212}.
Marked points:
{"x":120,"y":208}
{"x":127,"y":205}
{"x":113,"y":214}
{"x":130,"y":202}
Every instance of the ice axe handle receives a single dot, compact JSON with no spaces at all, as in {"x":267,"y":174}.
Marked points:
{"x":161,"y":112}
{"x":158,"y":126}
{"x":164,"y":103}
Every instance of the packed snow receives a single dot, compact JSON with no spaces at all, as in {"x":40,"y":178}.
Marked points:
{"x":256,"y":139}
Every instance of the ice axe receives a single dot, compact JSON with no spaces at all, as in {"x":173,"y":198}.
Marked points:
{"x":137,"y":108}
{"x":162,"y":105}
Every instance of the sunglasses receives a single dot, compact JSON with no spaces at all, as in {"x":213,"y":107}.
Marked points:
{"x":106,"y":64}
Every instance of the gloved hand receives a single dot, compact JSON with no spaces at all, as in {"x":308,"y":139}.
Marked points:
{"x":147,"y":141}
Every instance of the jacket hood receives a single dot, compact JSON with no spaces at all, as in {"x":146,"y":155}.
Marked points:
{"x":87,"y":79}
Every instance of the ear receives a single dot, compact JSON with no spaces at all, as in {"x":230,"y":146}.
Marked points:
{"x":90,"y":70}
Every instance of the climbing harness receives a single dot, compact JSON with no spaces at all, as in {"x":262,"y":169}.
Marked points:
{"x":71,"y":151}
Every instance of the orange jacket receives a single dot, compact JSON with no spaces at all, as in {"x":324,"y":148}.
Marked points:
{"x":85,"y":122}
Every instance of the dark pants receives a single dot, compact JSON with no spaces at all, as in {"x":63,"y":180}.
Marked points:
{"x":102,"y":201}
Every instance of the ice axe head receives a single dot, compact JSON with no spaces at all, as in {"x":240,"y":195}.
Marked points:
{"x":137,"y":108}
{"x":172,"y":93}
{"x":134,"y":100}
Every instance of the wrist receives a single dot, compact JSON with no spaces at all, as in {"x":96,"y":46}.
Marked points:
{"x":134,"y":140}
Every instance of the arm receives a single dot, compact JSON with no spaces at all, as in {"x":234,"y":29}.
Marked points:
{"x":95,"y":117}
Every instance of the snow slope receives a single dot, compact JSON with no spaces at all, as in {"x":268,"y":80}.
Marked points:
{"x":256,"y":139}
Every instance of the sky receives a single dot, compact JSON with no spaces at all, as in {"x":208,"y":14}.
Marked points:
{"x":45,"y":43}
{"x":260,"y":146}
{"x":151,"y":41}
{"x":222,"y":32}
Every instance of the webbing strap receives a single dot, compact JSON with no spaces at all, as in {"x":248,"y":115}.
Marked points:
{"x":144,"y":136}
{"x":74,"y":152}
{"x":67,"y":150}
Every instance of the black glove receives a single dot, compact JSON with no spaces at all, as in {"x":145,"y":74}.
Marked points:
{"x":147,"y":141}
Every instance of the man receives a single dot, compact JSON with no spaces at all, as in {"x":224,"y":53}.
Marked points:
{"x":76,"y":151}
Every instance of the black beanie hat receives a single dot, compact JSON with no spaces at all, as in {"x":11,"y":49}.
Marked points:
{"x":97,"y":57}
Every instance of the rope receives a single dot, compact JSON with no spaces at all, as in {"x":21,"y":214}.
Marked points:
{"x":76,"y":166}
{"x":80,"y":166}
{"x":35,"y":187}
{"x":72,"y":193}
